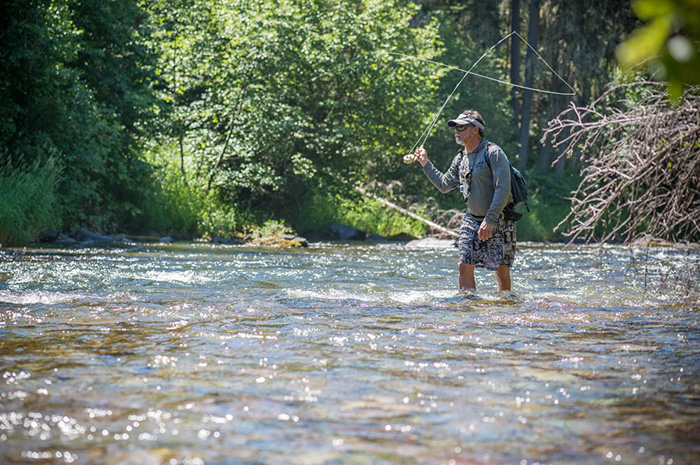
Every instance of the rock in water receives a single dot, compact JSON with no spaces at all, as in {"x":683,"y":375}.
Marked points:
{"x":347,"y":233}
{"x":282,"y":240}
{"x":83,"y":235}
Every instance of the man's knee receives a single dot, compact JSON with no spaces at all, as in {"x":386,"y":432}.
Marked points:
{"x":503,"y":278}
{"x":466,"y":267}
{"x":503,"y":271}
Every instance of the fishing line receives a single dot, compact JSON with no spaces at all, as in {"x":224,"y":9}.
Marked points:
{"x":490,"y":78}
{"x":426,"y":133}
{"x":424,"y":136}
{"x":545,"y":62}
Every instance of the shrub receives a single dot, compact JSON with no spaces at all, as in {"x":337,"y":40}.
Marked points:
{"x":271,"y":228}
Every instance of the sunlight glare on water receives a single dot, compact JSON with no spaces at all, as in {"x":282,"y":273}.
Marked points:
{"x":347,"y":353}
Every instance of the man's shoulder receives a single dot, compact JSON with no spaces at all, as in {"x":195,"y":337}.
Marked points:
{"x":494,"y":153}
{"x":493,"y":148}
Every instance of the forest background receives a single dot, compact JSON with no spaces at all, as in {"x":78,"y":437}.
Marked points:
{"x":216,"y":118}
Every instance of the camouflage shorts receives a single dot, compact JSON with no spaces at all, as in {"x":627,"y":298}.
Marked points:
{"x":499,"y":250}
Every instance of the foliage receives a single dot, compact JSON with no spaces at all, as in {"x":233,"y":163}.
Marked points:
{"x":320,"y":208}
{"x":172,"y":206}
{"x":209,"y":117}
{"x":668,"y":41}
{"x":74,"y":79}
{"x":548,"y":204}
{"x":371,"y":216}
{"x":29,"y":193}
{"x":180,"y":206}
{"x":271,"y":228}
{"x":272,"y":99}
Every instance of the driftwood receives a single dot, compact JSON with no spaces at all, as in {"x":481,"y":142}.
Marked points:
{"x":641,"y":164}
{"x":406,"y":212}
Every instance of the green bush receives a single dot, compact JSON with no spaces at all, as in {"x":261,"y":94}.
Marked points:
{"x":371,"y":216}
{"x":219,"y":221}
{"x":173,"y":205}
{"x":271,"y":228}
{"x":29,"y":200}
{"x":322,"y":209}
{"x":538,"y":224}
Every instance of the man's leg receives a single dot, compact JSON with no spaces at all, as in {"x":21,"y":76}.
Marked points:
{"x":502,"y":278}
{"x":466,"y":277}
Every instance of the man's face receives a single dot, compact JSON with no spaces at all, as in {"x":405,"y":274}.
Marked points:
{"x":464,"y":132}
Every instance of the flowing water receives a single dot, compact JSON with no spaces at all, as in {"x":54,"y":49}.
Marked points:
{"x":347,"y":354}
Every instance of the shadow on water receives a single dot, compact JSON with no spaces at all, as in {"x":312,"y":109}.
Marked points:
{"x":192,"y":353}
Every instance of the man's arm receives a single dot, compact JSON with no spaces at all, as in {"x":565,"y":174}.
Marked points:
{"x":500,"y":169}
{"x":444,"y":182}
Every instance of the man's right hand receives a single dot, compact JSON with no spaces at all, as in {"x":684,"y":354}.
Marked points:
{"x":421,"y":156}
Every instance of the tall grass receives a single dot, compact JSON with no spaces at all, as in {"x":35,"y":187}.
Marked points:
{"x":538,"y":224}
{"x":371,"y":216}
{"x":28,"y":200}
{"x":181,"y":205}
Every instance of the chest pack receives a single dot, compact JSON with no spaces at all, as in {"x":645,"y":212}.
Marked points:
{"x":518,"y":188}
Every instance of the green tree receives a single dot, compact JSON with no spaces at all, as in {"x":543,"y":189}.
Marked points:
{"x":669,"y":42}
{"x":114,"y":61}
{"x":75,"y":86}
{"x":578,"y":38}
{"x":272,"y":102}
{"x":223,"y":109}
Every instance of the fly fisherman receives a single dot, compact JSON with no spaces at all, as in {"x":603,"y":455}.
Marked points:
{"x":486,"y":238}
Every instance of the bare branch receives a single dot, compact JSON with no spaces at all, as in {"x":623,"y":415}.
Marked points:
{"x":641,"y":164}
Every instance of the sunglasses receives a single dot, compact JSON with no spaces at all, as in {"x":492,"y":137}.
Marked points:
{"x":462,"y":127}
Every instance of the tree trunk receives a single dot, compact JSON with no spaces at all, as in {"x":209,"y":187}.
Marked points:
{"x":515,"y":60}
{"x":559,"y":169}
{"x":529,"y":77}
{"x":182,"y":158}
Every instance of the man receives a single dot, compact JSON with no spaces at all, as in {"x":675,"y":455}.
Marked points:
{"x":486,"y":238}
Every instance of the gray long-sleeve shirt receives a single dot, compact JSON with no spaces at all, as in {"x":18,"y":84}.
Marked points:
{"x":489,"y":190}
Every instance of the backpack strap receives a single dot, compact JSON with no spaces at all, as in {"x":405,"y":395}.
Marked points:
{"x":511,"y":205}
{"x":488,"y":162}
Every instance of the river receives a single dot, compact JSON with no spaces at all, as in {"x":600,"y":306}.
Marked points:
{"x":194,"y":354}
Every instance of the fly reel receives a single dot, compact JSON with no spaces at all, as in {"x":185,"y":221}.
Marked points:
{"x":409,"y":158}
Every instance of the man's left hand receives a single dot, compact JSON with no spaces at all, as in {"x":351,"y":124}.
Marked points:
{"x":485,"y":231}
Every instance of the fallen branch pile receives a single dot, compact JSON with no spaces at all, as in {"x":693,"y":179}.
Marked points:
{"x":641,"y":164}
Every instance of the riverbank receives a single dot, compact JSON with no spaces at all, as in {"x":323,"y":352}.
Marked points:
{"x":333,"y":233}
